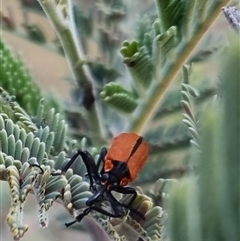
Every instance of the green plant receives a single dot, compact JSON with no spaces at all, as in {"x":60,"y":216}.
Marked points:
{"x":34,"y":134}
{"x":206,"y":207}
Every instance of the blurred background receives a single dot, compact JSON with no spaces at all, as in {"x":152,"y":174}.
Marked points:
{"x":25,"y":28}
{"x":51,"y":71}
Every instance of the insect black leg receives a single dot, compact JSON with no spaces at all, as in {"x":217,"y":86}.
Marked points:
{"x":127,"y":190}
{"x":38,"y":166}
{"x":87,"y":160}
{"x":67,"y":166}
{"x":79,"y":217}
{"x":91,"y":167}
{"x":101,"y":157}
{"x":107,"y":213}
{"x":95,"y":208}
{"x":115,"y":204}
{"x":97,"y":196}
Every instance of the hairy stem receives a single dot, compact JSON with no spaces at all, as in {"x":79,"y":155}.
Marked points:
{"x":147,"y":111}
{"x":61,"y":18}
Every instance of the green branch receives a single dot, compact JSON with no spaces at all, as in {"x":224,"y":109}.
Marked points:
{"x":61,"y":18}
{"x":157,"y":93}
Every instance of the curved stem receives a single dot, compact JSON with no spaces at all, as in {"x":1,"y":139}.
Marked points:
{"x":156,"y":94}
{"x":61,"y":18}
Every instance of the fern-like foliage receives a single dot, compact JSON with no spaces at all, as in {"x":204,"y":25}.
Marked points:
{"x":199,"y":206}
{"x":120,"y":98}
{"x":31,"y":149}
{"x":153,"y":60}
{"x":139,"y":64}
{"x":21,"y":150}
{"x":17,"y":80}
{"x":189,"y":117}
{"x":35,"y":141}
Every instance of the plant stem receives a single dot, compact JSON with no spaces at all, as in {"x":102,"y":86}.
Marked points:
{"x":63,"y":23}
{"x":147,"y":111}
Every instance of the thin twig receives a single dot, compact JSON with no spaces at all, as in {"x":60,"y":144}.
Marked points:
{"x":61,"y":18}
{"x":158,"y":92}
